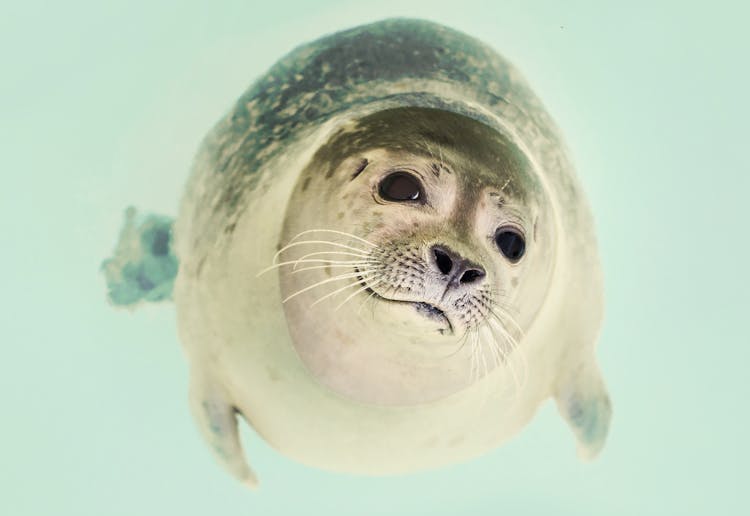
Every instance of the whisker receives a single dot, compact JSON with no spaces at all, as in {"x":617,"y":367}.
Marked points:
{"x":461,"y":343}
{"x":496,"y":325}
{"x":502,"y":319}
{"x":362,"y":304}
{"x":329,"y":280}
{"x":332,"y":266}
{"x":514,"y":344}
{"x":364,"y":287}
{"x":297,"y":262}
{"x":330,"y":294}
{"x":485,"y":377}
{"x":508,"y":317}
{"x":474,"y":357}
{"x":337,"y":253}
{"x":311,"y":242}
{"x":509,"y":364}
{"x":481,"y":355}
{"x":333,"y":231}
{"x":497,"y":355}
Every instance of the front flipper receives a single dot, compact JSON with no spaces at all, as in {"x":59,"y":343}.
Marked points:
{"x":217,"y":421}
{"x":144,"y":266}
{"x":583,"y":401}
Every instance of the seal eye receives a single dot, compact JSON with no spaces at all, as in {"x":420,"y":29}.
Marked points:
{"x":510,"y":243}
{"x":401,"y":186}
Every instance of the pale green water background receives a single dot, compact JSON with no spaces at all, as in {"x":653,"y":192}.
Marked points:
{"x":102,"y":104}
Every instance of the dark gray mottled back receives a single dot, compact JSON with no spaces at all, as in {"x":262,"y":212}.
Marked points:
{"x":388,"y":61}
{"x":394,"y":63}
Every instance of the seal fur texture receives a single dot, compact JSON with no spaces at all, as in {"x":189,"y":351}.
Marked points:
{"x":473,"y":181}
{"x":386,"y":370}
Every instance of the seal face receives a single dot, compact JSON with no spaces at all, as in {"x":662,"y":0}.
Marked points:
{"x":385,"y":261}
{"x":429,"y":238}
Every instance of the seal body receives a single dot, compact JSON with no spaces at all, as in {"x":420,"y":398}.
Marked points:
{"x":346,"y":248}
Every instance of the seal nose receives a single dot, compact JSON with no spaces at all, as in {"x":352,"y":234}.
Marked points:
{"x":457,"y":269}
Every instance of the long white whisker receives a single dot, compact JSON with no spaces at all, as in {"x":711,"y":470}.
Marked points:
{"x":297,"y":262}
{"x":330,"y":294}
{"x":474,"y":357}
{"x":513,"y":347}
{"x":331,"y":266}
{"x":486,"y":376}
{"x":362,"y":304}
{"x":329,"y":280}
{"x":481,"y":354}
{"x":313,"y":242}
{"x":459,"y":345}
{"x":338,"y":253}
{"x":333,"y":231}
{"x":508,"y":317}
{"x":364,"y":287}
{"x":497,"y":355}
{"x":508,"y":362}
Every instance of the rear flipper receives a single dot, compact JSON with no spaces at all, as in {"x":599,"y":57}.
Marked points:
{"x":144,"y":266}
{"x":583,"y":401}
{"x":217,"y":421}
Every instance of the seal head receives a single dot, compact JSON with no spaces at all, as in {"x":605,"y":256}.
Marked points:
{"x":415,"y":228}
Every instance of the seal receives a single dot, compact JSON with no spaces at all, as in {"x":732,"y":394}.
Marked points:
{"x":386,"y":262}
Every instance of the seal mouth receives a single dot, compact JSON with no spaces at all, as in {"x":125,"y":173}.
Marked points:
{"x":423,"y":308}
{"x":428,"y":310}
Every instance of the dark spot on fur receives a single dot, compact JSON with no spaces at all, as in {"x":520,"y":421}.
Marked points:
{"x":498,"y":199}
{"x":306,"y":183}
{"x":230,"y":228}
{"x":362,"y":165}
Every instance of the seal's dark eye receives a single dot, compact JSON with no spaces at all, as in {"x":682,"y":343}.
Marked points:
{"x":511,"y":243}
{"x":401,"y":186}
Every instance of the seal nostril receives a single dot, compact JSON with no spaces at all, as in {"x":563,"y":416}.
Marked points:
{"x":471,"y":276}
{"x":444,"y":262}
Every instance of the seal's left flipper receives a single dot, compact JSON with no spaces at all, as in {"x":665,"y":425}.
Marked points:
{"x":216,"y":418}
{"x":583,"y":401}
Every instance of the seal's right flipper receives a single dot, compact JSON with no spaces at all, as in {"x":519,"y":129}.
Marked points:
{"x":583,"y":401}
{"x":217,"y":422}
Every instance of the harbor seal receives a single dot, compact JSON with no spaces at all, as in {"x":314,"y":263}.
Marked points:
{"x":386,"y":263}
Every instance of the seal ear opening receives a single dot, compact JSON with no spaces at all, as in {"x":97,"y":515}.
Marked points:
{"x":143,"y":267}
{"x":584,"y":403}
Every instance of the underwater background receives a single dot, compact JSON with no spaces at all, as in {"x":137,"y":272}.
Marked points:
{"x":103,"y":105}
